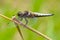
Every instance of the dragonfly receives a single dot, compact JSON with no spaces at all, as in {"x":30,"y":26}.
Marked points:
{"x":27,"y":14}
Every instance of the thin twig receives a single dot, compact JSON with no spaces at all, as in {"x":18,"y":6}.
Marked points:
{"x":20,"y":23}
{"x":39,"y":33}
{"x":19,"y":30}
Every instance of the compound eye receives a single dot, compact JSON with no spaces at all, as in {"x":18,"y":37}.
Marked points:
{"x":19,"y":13}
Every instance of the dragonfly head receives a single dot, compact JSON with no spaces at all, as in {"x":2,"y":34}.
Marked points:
{"x":19,"y":14}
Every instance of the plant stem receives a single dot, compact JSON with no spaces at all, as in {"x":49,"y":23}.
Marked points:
{"x":20,"y":23}
{"x":19,"y":30}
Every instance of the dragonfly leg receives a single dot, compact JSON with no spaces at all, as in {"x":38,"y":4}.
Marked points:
{"x":21,"y":19}
{"x":26,"y":21}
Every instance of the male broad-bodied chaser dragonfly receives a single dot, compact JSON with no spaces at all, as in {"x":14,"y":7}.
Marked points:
{"x":27,"y":14}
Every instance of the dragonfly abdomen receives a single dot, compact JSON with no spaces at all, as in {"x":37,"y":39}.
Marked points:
{"x":43,"y":15}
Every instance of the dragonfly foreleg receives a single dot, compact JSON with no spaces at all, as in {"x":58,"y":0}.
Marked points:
{"x":21,"y":19}
{"x":26,"y":20}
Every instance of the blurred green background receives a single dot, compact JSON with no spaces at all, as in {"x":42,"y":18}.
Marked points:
{"x":47,"y":25}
